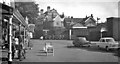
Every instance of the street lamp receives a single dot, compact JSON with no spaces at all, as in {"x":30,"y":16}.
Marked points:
{"x":102,"y":30}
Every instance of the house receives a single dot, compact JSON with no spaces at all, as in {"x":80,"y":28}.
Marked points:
{"x":58,"y":21}
{"x":50,"y":14}
{"x":79,"y":26}
{"x":52,"y":23}
{"x":87,"y":21}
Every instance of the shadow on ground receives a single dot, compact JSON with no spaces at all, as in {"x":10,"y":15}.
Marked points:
{"x":92,"y":48}
{"x":117,"y":54}
{"x":43,"y":53}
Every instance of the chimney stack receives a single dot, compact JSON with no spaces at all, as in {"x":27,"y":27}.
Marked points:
{"x":92,"y":15}
{"x":48,"y":8}
{"x":86,"y":16}
{"x":41,"y":11}
{"x":71,"y":17}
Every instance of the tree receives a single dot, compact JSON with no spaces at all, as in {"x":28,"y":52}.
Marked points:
{"x":29,"y":9}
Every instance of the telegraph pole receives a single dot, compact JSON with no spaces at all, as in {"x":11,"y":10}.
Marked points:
{"x":70,"y":34}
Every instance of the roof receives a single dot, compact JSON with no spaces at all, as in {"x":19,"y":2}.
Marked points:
{"x":77,"y":25}
{"x":90,"y":18}
{"x":53,"y":11}
{"x":67,"y":19}
{"x":107,"y":38}
{"x":77,"y":20}
{"x":113,"y":18}
{"x":74,"y":19}
{"x":99,"y":26}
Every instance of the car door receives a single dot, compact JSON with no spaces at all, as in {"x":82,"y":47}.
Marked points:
{"x":102,"y":43}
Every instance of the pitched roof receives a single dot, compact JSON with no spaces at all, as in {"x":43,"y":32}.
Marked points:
{"x":78,"y":25}
{"x":77,"y":20}
{"x":83,"y":21}
{"x":90,"y":18}
{"x":58,"y":18}
{"x":53,"y":11}
{"x":67,"y":19}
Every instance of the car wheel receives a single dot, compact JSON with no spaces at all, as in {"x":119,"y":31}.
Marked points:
{"x":89,"y":46}
{"x":98,"y":46}
{"x":107,"y":49}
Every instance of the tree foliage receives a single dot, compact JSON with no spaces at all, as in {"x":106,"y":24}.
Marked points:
{"x":29,"y":9}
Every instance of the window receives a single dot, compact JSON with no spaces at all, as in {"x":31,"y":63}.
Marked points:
{"x":109,"y":40}
{"x":102,"y":40}
{"x":57,"y":23}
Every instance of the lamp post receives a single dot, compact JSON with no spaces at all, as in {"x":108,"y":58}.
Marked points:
{"x":10,"y":39}
{"x":70,"y":34}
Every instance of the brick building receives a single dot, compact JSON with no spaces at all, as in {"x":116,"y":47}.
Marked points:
{"x":113,"y":26}
{"x":82,"y":27}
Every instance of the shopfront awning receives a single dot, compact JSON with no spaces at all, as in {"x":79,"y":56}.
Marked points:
{"x":7,"y":10}
{"x":17,"y":15}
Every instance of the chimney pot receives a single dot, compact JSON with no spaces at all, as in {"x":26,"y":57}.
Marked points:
{"x":92,"y":15}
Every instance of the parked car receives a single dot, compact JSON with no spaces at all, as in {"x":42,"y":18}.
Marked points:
{"x":107,"y":43}
{"x":81,"y":41}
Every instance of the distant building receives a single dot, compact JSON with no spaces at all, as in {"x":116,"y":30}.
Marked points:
{"x":79,"y":26}
{"x":87,"y":21}
{"x":58,"y":21}
{"x":51,"y":22}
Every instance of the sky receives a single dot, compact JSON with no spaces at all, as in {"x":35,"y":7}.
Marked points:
{"x":80,"y":8}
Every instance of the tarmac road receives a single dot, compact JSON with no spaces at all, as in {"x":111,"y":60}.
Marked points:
{"x":64,"y":51}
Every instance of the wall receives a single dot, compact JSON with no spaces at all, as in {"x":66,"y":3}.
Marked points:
{"x":110,"y":27}
{"x":113,"y":26}
{"x":79,"y":32}
{"x":116,"y":28}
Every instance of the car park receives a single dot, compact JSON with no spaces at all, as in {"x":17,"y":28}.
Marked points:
{"x":81,"y":41}
{"x":107,"y":43}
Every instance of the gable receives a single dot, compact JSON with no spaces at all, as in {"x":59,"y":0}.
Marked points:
{"x":90,"y":22}
{"x":57,"y":18}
